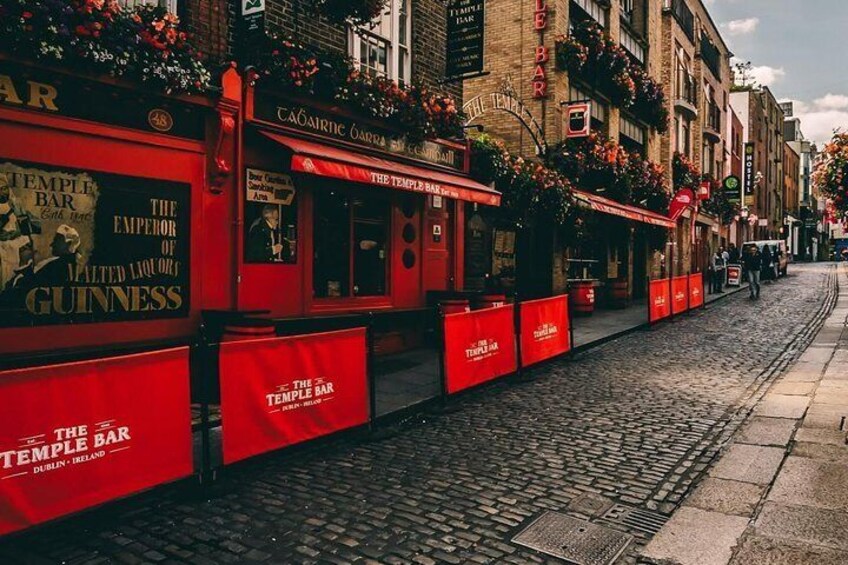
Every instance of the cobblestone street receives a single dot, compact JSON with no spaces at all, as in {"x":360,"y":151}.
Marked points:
{"x":637,"y":420}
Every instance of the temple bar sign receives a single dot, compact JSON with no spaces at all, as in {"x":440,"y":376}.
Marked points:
{"x":506,"y":102}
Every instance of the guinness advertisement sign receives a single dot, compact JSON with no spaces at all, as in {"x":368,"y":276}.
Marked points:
{"x":83,"y":246}
{"x":281,"y":111}
{"x":51,"y":93}
{"x":465,"y":32}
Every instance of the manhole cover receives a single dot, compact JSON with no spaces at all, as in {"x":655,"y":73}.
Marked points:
{"x":578,"y":541}
{"x":590,"y":504}
{"x":641,"y":520}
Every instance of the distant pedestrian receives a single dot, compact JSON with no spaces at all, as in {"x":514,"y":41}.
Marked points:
{"x":717,"y":266}
{"x":768,"y":263}
{"x":733,"y":254}
{"x":753,"y":263}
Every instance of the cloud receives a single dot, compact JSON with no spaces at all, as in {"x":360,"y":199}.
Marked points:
{"x":821,"y":116}
{"x":741,"y":27}
{"x":767,"y":76}
{"x":832,"y":101}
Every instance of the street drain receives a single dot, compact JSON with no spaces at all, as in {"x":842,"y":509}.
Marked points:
{"x":577,"y":541}
{"x":590,"y":504}
{"x":641,"y":520}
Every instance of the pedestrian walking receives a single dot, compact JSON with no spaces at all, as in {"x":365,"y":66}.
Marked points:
{"x":717,"y":266}
{"x":768,"y":260}
{"x":733,"y":254}
{"x":753,"y":263}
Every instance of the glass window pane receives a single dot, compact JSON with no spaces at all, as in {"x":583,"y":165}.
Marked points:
{"x":370,"y":237}
{"x":331,"y":268}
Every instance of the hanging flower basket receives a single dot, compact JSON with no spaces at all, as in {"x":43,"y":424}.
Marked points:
{"x":303,"y":72}
{"x":589,"y":55}
{"x":145,"y":44}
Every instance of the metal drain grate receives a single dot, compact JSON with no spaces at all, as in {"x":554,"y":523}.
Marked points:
{"x":641,"y":520}
{"x":590,"y":504}
{"x":577,"y":541}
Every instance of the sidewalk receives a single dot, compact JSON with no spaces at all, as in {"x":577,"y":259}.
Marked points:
{"x":604,"y":325}
{"x":779,"y":493}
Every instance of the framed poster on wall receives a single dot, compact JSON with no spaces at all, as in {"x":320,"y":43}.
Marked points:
{"x":86,"y":246}
{"x":270,"y":218}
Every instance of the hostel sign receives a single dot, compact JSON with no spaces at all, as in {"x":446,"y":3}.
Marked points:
{"x":749,"y":173}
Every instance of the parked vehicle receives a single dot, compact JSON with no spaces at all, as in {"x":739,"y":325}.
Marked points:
{"x":782,"y":264}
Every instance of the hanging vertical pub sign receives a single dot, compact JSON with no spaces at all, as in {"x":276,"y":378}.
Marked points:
{"x":578,"y":120}
{"x":749,"y":174}
{"x":541,"y":56}
{"x":84,"y":246}
{"x":465,"y":34}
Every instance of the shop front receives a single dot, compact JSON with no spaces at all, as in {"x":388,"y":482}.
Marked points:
{"x":341,"y":215}
{"x":113,"y":240}
{"x":113,"y":213}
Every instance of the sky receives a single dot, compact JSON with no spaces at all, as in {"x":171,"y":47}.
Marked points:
{"x":798,"y":50}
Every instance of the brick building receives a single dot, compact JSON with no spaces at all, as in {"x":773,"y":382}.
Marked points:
{"x":407,"y":44}
{"x":762,"y":120}
{"x":511,"y":43}
{"x":696,"y":75}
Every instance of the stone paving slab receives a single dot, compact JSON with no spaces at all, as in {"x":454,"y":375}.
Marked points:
{"x":816,"y":354}
{"x":837,"y":371}
{"x":696,"y":537}
{"x":801,"y":376}
{"x":727,"y":497}
{"x":821,"y":436}
{"x":811,"y":482}
{"x":832,"y":384}
{"x":804,"y":524}
{"x":824,"y":452}
{"x":767,"y":431}
{"x":749,"y":464}
{"x":825,"y":416}
{"x":783,"y":406}
{"x":793,"y":388}
{"x":756,"y":550}
{"x":831,"y":396}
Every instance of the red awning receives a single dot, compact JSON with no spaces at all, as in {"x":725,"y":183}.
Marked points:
{"x":607,"y":206}
{"x":328,"y":161}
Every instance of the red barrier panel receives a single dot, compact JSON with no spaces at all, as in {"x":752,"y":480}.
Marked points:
{"x":544,"y":329}
{"x":479,"y":347}
{"x":76,"y":435}
{"x":679,"y":294}
{"x":282,"y":391}
{"x":696,"y":290}
{"x":659,"y":300}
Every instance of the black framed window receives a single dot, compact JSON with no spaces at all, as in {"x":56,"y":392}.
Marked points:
{"x":351,"y":235}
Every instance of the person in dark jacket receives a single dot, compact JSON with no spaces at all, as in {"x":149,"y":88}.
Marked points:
{"x":768,"y":263}
{"x":753,"y":263}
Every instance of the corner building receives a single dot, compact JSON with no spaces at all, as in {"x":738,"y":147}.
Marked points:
{"x":516,"y":32}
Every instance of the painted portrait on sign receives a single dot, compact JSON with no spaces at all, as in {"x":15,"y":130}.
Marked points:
{"x":270,"y":218}
{"x":82,"y":246}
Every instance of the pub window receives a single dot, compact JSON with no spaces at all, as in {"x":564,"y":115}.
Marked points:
{"x":171,"y":5}
{"x":599,"y":110}
{"x":383,"y":48}
{"x":632,"y":45}
{"x":351,"y":244}
{"x":632,"y":135}
{"x":593,"y":9}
